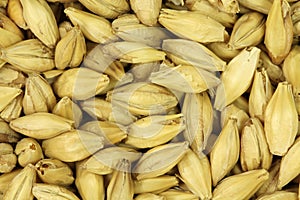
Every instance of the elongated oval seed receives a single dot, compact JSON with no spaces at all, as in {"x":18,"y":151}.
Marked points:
{"x":41,"y":125}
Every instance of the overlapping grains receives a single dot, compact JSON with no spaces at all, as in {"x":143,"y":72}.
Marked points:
{"x":225,"y":152}
{"x":198,"y":113}
{"x":58,"y":146}
{"x":155,"y":185}
{"x":106,"y":8}
{"x":121,"y":185}
{"x":70,"y":50}
{"x":47,"y":34}
{"x":29,"y":56}
{"x":21,"y":185}
{"x":168,"y":100}
{"x":94,"y":27}
{"x":194,"y":25}
{"x":255,"y":152}
{"x":89,"y":185}
{"x":195,"y":173}
{"x":234,"y":80}
{"x":260,"y":95}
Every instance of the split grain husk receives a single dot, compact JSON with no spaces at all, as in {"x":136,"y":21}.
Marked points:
{"x":155,"y":185}
{"x":41,"y":125}
{"x":80,"y":83}
{"x":53,"y":171}
{"x":70,"y":50}
{"x":5,"y":180}
{"x":186,"y":24}
{"x":121,"y":184}
{"x":260,"y":95}
{"x":41,"y":21}
{"x":198,"y":112}
{"x":83,"y":145}
{"x":13,"y":109}
{"x":47,"y":191}
{"x":39,"y":96}
{"x":107,"y":9}
{"x":225,"y":152}
{"x":28,"y":151}
{"x":154,"y":130}
{"x":195,"y":173}
{"x":29,"y":56}
{"x":8,"y":159}
{"x":281,"y":119}
{"x":279,"y":26}
{"x":181,"y":49}
{"x":233,"y":76}
{"x":11,"y":78}
{"x":8,"y":94}
{"x":255,"y":152}
{"x":147,"y":11}
{"x":151,"y":165}
{"x":89,"y":185}
{"x":248,"y":30}
{"x":94,"y":27}
{"x":20,"y":186}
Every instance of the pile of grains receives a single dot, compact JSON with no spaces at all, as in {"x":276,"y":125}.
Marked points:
{"x":149,"y":99}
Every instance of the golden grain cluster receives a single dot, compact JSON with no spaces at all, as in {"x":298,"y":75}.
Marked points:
{"x":149,"y":99}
